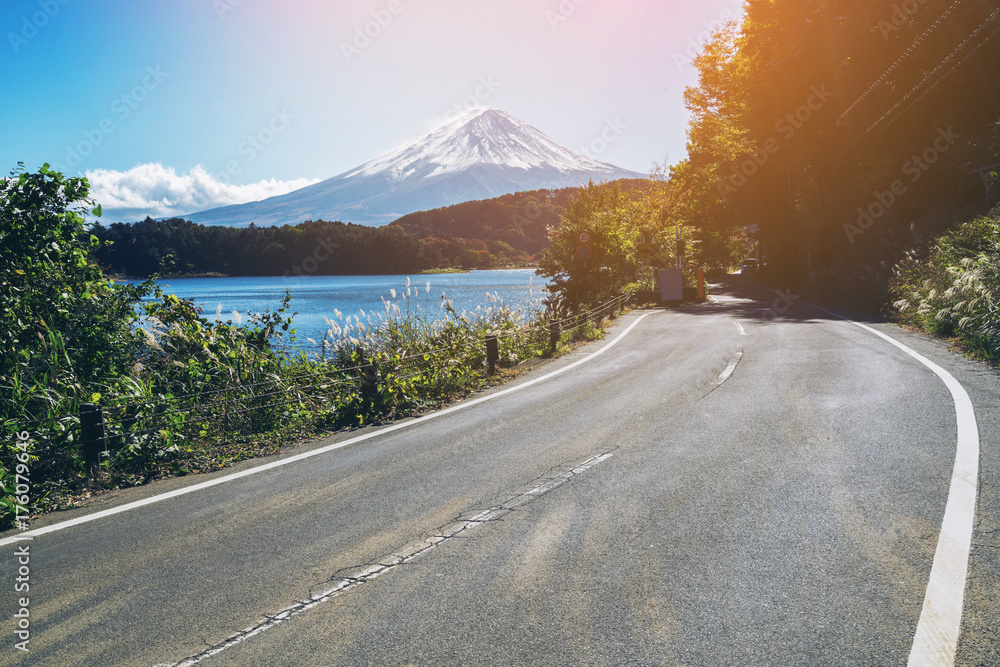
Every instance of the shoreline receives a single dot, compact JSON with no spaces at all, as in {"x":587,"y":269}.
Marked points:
{"x":427,"y":272}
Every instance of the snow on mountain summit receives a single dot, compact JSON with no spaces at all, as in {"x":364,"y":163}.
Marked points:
{"x":480,"y":136}
{"x":479,"y":154}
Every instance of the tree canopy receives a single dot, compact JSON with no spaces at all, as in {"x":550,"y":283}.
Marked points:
{"x":829,"y":122}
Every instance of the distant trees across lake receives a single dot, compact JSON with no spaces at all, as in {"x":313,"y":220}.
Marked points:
{"x":321,"y":248}
{"x":503,"y":232}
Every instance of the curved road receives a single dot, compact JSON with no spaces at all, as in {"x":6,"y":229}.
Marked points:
{"x":748,"y":482}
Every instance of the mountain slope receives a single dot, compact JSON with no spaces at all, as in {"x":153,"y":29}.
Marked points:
{"x":482,"y":154}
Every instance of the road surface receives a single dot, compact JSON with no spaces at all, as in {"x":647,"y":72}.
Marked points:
{"x":746,"y":482}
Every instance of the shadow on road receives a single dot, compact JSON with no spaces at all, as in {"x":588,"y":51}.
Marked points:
{"x":742,"y":299}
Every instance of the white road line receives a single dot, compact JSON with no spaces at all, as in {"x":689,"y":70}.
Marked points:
{"x":936,"y":639}
{"x":316,"y":452}
{"x":739,"y":327}
{"x":725,"y":375}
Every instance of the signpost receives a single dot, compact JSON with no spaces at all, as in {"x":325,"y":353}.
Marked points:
{"x":648,"y":252}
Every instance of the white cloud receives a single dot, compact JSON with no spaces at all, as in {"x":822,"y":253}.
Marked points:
{"x":160,"y":192}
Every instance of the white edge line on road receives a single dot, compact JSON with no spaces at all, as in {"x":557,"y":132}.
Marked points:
{"x":36,"y":532}
{"x":936,"y":639}
{"x":739,"y":327}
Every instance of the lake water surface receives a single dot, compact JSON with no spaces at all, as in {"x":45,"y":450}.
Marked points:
{"x":316,"y":297}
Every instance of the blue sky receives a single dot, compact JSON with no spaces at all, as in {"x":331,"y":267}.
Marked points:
{"x":165,"y":103}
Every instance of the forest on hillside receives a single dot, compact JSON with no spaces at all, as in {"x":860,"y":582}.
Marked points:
{"x":506,"y":231}
{"x":501,"y":232}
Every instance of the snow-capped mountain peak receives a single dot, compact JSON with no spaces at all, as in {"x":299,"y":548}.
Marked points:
{"x":479,"y":154}
{"x":480,"y":136}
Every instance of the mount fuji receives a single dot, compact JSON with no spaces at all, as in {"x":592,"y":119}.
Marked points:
{"x":481,"y":154}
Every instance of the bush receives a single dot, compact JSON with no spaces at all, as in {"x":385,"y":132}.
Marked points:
{"x":955,"y":290}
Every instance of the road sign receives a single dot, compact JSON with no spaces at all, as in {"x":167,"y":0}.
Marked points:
{"x":585,"y":252}
{"x":584,"y":238}
{"x":647,"y":250}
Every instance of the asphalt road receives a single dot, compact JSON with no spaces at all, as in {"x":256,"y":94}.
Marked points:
{"x":726,"y":485}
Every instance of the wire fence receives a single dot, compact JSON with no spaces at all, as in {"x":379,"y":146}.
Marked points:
{"x":153,"y":428}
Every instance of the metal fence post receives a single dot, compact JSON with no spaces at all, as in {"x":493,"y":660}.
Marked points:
{"x":94,"y":436}
{"x":492,"y":354}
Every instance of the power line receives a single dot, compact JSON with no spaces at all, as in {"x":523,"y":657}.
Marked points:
{"x":919,"y":40}
{"x":944,"y":62}
{"x":993,"y":34}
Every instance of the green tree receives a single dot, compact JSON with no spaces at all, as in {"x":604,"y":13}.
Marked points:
{"x":614,"y":223}
{"x":63,"y":324}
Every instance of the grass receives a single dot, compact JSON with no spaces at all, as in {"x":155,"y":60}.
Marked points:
{"x":952,"y":289}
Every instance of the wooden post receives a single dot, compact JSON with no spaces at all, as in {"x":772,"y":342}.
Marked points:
{"x":492,"y":354}
{"x":94,"y":436}
{"x":554,"y":334}
{"x":369,"y":380}
{"x":701,"y":284}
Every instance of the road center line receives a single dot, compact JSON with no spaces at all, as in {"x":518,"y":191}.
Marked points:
{"x":728,"y":372}
{"x":936,"y":638}
{"x":342,"y":583}
{"x":315,"y":452}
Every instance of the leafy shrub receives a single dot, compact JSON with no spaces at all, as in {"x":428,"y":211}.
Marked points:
{"x":955,"y":290}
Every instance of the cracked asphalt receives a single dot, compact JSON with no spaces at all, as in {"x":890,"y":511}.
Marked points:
{"x":626,"y":512}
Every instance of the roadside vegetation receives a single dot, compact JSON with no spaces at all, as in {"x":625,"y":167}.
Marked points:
{"x":181,"y":392}
{"x":953,"y":288}
{"x":615,"y":221}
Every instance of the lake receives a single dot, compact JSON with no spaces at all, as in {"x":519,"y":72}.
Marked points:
{"x":316,"y":297}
